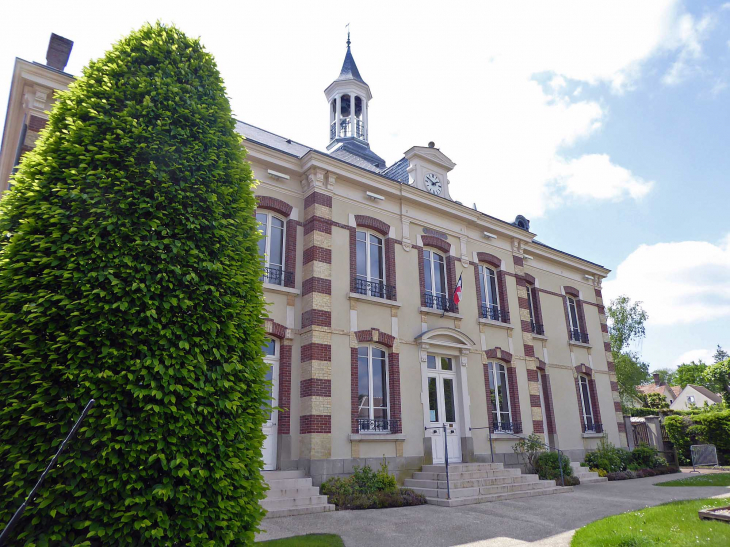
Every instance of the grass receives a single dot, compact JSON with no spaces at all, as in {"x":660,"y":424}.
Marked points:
{"x":673,"y":523}
{"x":711,"y":479}
{"x":309,"y":540}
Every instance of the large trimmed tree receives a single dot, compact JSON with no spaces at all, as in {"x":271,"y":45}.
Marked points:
{"x":129,"y":274}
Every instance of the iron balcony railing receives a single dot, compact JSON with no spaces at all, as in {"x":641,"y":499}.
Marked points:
{"x":537,"y":328}
{"x":378,"y":425}
{"x":494,"y":313}
{"x":506,"y":427}
{"x":333,"y":130}
{"x":374,"y":288}
{"x":276,"y":276}
{"x":439,"y":302}
{"x":577,"y":336}
{"x":593,"y":428}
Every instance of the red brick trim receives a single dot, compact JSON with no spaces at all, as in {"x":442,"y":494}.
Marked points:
{"x":621,"y":427}
{"x":318,"y":198}
{"x":316,"y":254}
{"x":317,"y":224}
{"x":584,"y":369}
{"x":353,"y":257}
{"x":518,"y":260}
{"x":611,"y":367}
{"x":421,"y":275}
{"x":581,"y":316}
{"x":290,"y":253}
{"x":572,"y":291}
{"x":529,"y":278}
{"x":437,"y":243}
{"x":451,"y":280}
{"x":617,"y":406}
{"x":541,"y":365}
{"x":535,"y":401}
{"x":499,"y":353}
{"x":394,"y":381}
{"x":536,"y":307}
{"x":316,"y":352}
{"x":580,"y":404}
{"x":274,"y":204}
{"x":490,"y":259}
{"x":478,"y":287}
{"x":319,"y":318}
{"x":364,"y":221}
{"x":316,"y":284}
{"x":277,"y":330}
{"x":502,"y":288}
{"x":537,"y":426}
{"x":514,"y":394}
{"x":594,"y":401}
{"x":315,"y":387}
{"x":354,"y":401}
{"x":614,"y":386}
{"x":36,"y":124}
{"x":369,"y":335}
{"x":284,"y":388}
{"x":390,"y":274}
{"x":532,"y":375}
{"x":315,"y":424}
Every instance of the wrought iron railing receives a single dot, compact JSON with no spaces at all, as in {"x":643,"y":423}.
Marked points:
{"x":333,"y":130}
{"x":537,"y":328}
{"x":345,"y":129}
{"x":438,"y":301}
{"x":360,"y":129}
{"x":593,"y":428}
{"x":506,"y":427}
{"x":577,"y":336}
{"x":277,"y":276}
{"x":378,"y":425}
{"x":494,"y":313}
{"x":374,"y":288}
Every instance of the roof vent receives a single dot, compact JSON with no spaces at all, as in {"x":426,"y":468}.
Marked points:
{"x":522,"y":223}
{"x":431,"y":144}
{"x":59,"y":50}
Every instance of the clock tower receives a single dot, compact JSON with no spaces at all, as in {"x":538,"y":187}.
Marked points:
{"x":428,"y":169}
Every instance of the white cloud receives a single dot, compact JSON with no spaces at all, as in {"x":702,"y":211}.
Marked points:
{"x":689,"y":34}
{"x":695,"y":355}
{"x":679,"y":283}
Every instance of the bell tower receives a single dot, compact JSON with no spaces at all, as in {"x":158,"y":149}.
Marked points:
{"x":348,"y":97}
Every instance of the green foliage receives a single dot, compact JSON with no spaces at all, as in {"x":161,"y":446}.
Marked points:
{"x":700,"y":428}
{"x":631,"y":371}
{"x":666,"y":375}
{"x":720,"y":355}
{"x":692,"y":373}
{"x":719,"y":376}
{"x":608,"y":457}
{"x":528,"y":449}
{"x":368,"y":489}
{"x":655,"y":401}
{"x":547,"y":466}
{"x":307,"y":540}
{"x":129,"y":273}
{"x":626,"y":322}
{"x":711,"y":479}
{"x":647,"y":457}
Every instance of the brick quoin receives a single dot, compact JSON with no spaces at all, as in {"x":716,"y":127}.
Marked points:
{"x":316,"y":284}
{"x":317,"y":224}
{"x":285,"y":355}
{"x":318,"y":198}
{"x":621,"y":427}
{"x":354,"y":402}
{"x":535,"y":401}
{"x":315,"y":387}
{"x":290,"y":253}
{"x":538,"y":426}
{"x":316,"y":352}
{"x":315,"y":424}
{"x":318,"y":254}
{"x":532,"y":375}
{"x":518,"y":261}
{"x":617,"y":406}
{"x":394,"y":381}
{"x":514,"y":394}
{"x":549,"y":409}
{"x":320,"y":318}
{"x":490,"y":259}
{"x":614,"y":386}
{"x":36,"y":124}
{"x":274,"y":204}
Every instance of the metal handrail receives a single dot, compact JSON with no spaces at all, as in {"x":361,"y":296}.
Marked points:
{"x":446,"y":460}
{"x":550,"y":447}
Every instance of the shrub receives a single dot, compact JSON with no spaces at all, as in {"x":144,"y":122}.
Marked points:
{"x":368,"y":489}
{"x":547,"y":466}
{"x":529,"y":450}
{"x":567,"y":481}
{"x":646,"y":457}
{"x":600,"y":472}
{"x":608,"y":457}
{"x":707,"y":427}
{"x":129,"y":273}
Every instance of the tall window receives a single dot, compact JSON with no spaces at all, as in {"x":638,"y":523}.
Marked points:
{"x":537,"y":328}
{"x":434,"y":268}
{"x":372,"y":389}
{"x":573,"y":316}
{"x":585,"y":399}
{"x":499,"y":395}
{"x":370,"y":278}
{"x":269,"y":350}
{"x":490,"y":296}
{"x":271,"y":247}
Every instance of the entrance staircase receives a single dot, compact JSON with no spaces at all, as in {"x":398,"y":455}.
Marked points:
{"x":291,"y":493}
{"x":586,"y":476}
{"x":478,"y":483}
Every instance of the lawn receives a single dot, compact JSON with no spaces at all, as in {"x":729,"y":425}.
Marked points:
{"x":309,"y":540}
{"x":711,"y":479}
{"x":674,"y":523}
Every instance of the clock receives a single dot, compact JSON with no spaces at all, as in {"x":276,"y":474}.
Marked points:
{"x":433,"y":184}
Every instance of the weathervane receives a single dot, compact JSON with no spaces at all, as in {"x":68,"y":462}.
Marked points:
{"x":347,"y":26}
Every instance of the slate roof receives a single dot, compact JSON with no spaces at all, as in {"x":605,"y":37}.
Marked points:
{"x":349,"y":68}
{"x":398,"y":171}
{"x":271,"y":140}
{"x":359,"y":154}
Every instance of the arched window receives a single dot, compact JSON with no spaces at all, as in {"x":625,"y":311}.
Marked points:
{"x":499,"y":397}
{"x":490,"y":294}
{"x":271,"y":247}
{"x":372,"y":390}
{"x":434,"y":268}
{"x":370,"y":259}
{"x":589,"y":424}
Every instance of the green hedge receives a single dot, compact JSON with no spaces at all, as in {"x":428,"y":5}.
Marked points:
{"x":129,"y":273}
{"x":703,"y":428}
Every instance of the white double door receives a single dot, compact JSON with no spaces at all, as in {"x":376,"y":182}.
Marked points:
{"x":443,"y":404}
{"x":270,"y":427}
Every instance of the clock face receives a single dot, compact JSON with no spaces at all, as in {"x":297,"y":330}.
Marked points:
{"x":433,"y":184}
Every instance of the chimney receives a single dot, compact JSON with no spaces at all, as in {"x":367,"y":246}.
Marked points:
{"x":657,"y":381}
{"x":59,"y":50}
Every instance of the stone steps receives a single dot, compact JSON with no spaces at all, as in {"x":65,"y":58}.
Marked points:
{"x":477,"y":483}
{"x":586,"y":476}
{"x":291,"y":493}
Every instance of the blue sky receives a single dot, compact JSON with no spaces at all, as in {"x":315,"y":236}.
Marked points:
{"x":605,"y":123}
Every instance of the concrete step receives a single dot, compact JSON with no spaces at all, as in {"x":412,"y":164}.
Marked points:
{"x":281,"y":475}
{"x":462,"y":467}
{"x":292,"y":492}
{"x":470,"y":500}
{"x":288,"y":484}
{"x":486,"y":490}
{"x":303,"y":510}
{"x":589,"y":480}
{"x":287,"y":503}
{"x":470,"y":483}
{"x":456,"y":476}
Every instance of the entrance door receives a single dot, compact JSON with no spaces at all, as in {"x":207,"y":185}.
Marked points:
{"x":443,"y":401}
{"x":270,"y":429}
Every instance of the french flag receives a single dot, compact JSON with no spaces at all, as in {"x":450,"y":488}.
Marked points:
{"x":457,"y":292}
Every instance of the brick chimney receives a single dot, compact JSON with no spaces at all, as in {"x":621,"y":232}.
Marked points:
{"x":59,"y":50}
{"x":657,"y":381}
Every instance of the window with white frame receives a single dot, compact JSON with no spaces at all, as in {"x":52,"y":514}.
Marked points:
{"x":490,"y":295}
{"x":271,"y":247}
{"x":573,"y":316}
{"x":434,"y":268}
{"x":499,"y":396}
{"x":586,"y":404}
{"x":270,"y":357}
{"x":370,"y":273}
{"x":372,"y":389}
{"x":536,"y":327}
{"x":690,"y":399}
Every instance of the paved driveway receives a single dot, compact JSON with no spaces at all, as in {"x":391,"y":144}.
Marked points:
{"x":542,"y":520}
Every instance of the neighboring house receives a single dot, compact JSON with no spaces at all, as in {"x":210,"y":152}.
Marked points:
{"x":369,"y":355}
{"x":668,"y":392}
{"x":696,"y":396}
